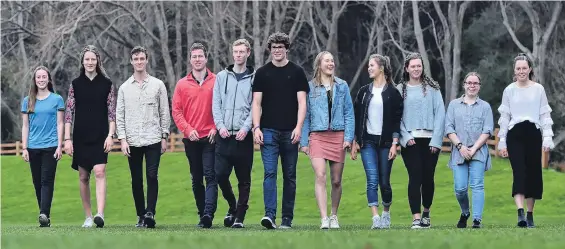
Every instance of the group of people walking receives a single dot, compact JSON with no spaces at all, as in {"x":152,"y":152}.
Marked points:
{"x":222,"y":115}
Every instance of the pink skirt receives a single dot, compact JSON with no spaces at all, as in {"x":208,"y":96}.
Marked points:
{"x":327,"y":145}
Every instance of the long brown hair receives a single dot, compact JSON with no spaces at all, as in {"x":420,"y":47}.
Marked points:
{"x":426,"y":80}
{"x":384,"y":61}
{"x":99,"y":68}
{"x":318,"y":71}
{"x":34,"y":89}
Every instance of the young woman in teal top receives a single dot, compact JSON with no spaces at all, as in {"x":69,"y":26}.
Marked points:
{"x":42,"y":137}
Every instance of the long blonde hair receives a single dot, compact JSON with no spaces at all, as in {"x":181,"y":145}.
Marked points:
{"x":318,"y":71}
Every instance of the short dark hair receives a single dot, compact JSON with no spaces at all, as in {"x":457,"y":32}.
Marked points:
{"x":279,"y":37}
{"x":198,"y":45}
{"x":139,"y":49}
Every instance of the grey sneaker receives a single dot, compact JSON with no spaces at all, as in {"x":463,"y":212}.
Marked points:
{"x":44,"y":221}
{"x":385,"y":220}
{"x":140,"y":222}
{"x":376,"y":222}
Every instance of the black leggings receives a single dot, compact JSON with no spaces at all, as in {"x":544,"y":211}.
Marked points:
{"x":43,"y":166}
{"x":421,"y":165}
{"x":524,"y":142}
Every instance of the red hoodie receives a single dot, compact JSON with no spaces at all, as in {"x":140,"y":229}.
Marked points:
{"x":192,"y":105}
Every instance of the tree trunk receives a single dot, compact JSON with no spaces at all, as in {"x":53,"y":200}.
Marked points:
{"x":159,"y":12}
{"x":420,"y":38}
{"x":178,"y":41}
{"x":189,"y":33}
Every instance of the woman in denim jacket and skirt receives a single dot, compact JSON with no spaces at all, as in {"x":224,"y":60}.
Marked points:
{"x":327,"y":132}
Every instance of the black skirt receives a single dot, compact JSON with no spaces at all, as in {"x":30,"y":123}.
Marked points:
{"x":524,"y":143}
{"x":86,"y":155}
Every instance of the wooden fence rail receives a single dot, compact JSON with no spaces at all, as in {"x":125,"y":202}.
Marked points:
{"x":176,"y":145}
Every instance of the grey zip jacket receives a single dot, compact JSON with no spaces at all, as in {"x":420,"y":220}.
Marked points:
{"x":231,"y":101}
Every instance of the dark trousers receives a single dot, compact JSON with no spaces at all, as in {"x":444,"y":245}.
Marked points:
{"x":524,"y":143}
{"x":43,"y":166}
{"x":152,"y":155}
{"x":200,"y":155}
{"x":231,"y":153}
{"x":279,"y":143}
{"x":421,"y":165}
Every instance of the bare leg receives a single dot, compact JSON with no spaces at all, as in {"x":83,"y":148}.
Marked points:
{"x":336,"y":170}
{"x":531,"y":202}
{"x":100,"y":174}
{"x":84,"y":182}
{"x":319,"y":166}
{"x":519,"y":200}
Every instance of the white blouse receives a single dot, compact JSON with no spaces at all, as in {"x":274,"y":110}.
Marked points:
{"x":525,"y":104}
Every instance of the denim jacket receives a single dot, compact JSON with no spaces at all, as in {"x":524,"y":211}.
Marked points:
{"x":317,"y":118}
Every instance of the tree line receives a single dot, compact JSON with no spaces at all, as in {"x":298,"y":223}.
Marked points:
{"x":453,"y":38}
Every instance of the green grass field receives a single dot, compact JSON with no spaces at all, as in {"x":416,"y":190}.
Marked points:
{"x":177,"y":217}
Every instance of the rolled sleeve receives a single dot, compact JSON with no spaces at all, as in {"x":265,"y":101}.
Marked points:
{"x":488,"y":126}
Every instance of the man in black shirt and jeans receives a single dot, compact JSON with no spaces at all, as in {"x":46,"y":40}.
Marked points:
{"x":279,"y":109}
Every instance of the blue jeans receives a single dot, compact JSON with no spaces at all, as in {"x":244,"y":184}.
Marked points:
{"x":470,"y":173}
{"x":279,"y":143}
{"x":377,"y":167}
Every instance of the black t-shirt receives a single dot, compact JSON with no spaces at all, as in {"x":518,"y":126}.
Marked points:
{"x":279,"y":86}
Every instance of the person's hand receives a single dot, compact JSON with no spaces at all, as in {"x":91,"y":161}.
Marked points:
{"x":472,"y":152}
{"x":193,"y":136}
{"x":392,"y":152}
{"x":125,"y":147}
{"x":69,"y":150}
{"x":163,"y":145}
{"x":503,"y":152}
{"x":241,"y":134}
{"x":25,"y":155}
{"x":108,"y":144}
{"x":258,"y":136}
{"x":354,"y":150}
{"x":464,"y":151}
{"x":295,"y":136}
{"x":224,"y":133}
{"x":58,"y":153}
{"x":211,"y":135}
{"x":411,"y":142}
{"x":305,"y":149}
{"x":434,"y":149}
{"x":346,"y":145}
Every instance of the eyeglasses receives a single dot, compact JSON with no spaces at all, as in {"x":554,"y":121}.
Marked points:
{"x":277,"y":48}
{"x":473,"y":83}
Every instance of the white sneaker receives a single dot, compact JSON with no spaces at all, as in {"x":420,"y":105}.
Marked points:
{"x":325,"y":223}
{"x":88,"y":222}
{"x":334,"y":224}
{"x":385,"y":220}
{"x":416,"y":224}
{"x":376,"y":222}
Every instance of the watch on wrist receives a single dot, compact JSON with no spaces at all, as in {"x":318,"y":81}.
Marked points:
{"x":458,"y":146}
{"x":394,"y":142}
{"x":254,"y":128}
{"x":164,"y":135}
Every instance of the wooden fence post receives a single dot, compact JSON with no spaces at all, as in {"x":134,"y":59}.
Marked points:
{"x":544,"y":159}
{"x":18,"y":148}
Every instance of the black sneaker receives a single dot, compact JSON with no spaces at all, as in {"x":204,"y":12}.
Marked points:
{"x":476,"y":223}
{"x":268,"y":223}
{"x":44,"y":221}
{"x":206,"y":221}
{"x":229,"y":220}
{"x":140,"y":222}
{"x":463,"y":221}
{"x":200,"y":223}
{"x":286,"y":223}
{"x":149,"y":220}
{"x":99,"y":220}
{"x":237,"y":223}
{"x":530,"y":220}
{"x":521,"y":218}
{"x":425,"y":222}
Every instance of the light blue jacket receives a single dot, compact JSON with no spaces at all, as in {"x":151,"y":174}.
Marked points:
{"x":422,"y":112}
{"x":317,"y":116}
